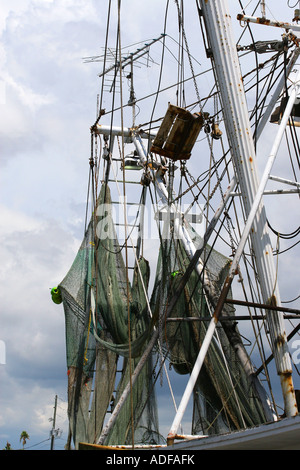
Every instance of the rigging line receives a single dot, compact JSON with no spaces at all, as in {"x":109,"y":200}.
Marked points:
{"x":271,"y":84}
{"x":155,"y":204}
{"x":183,"y":48}
{"x":289,"y":301}
{"x":245,"y":28}
{"x":220,"y":236}
{"x":295,"y":140}
{"x":224,"y":401}
{"x":287,"y":249}
{"x":222,"y":196}
{"x":180,"y":67}
{"x":188,"y":52}
{"x":105,"y":57}
{"x":292,"y":6}
{"x":137,"y":264}
{"x":286,"y":236}
{"x":257,"y":77}
{"x":208,"y":189}
{"x":201,"y":191}
{"x":196,"y":182}
{"x":125,"y":218}
{"x":160,"y":74}
{"x":161,"y":91}
{"x":262,"y":66}
{"x":112,"y":117}
{"x":290,"y":156}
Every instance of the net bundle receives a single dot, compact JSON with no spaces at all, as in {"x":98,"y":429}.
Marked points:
{"x":105,"y":339}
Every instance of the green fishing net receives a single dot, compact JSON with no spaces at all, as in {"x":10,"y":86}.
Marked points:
{"x":100,"y":356}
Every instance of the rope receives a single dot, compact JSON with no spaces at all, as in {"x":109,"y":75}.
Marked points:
{"x":126,"y":248}
{"x":188,"y":51}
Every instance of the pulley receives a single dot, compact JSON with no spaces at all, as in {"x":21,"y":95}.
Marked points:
{"x":215,"y":131}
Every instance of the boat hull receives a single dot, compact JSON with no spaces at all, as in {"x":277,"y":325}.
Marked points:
{"x":282,"y":435}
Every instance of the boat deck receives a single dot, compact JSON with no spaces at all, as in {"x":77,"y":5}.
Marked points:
{"x":282,"y":435}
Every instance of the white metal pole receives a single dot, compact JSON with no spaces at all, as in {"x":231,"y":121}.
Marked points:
{"x":192,"y":381}
{"x":267,"y":22}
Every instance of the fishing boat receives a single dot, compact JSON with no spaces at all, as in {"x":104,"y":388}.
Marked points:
{"x":181,"y":305}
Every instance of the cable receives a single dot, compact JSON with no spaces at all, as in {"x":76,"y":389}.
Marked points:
{"x":34,"y":445}
{"x":290,"y":301}
{"x":285,"y":236}
{"x":294,"y":6}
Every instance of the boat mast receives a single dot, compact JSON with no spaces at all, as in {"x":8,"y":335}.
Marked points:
{"x":229,"y":78}
{"x":238,"y":128}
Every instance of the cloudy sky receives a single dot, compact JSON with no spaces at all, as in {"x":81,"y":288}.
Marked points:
{"x":47,"y":102}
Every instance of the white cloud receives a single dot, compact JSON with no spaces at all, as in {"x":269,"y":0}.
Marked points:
{"x":43,"y":79}
{"x":28,"y":98}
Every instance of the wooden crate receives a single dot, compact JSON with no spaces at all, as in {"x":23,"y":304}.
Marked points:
{"x":177,"y":134}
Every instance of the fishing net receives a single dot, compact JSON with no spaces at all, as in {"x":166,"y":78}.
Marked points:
{"x":224,"y":396}
{"x":97,"y":338}
{"x":102,"y":310}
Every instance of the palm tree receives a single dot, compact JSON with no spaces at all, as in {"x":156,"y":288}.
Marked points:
{"x":24,"y":436}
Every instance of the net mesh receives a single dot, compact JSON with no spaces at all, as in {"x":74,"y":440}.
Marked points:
{"x":224,"y":396}
{"x":97,"y":338}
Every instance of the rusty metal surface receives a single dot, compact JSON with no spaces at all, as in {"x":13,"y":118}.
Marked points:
{"x":264,"y":21}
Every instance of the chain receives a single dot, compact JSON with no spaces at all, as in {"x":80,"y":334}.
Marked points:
{"x":188,"y":52}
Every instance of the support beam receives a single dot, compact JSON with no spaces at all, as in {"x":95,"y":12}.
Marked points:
{"x":266,"y":22}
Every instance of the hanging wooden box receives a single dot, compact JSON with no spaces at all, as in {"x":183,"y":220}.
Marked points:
{"x":177,"y":134}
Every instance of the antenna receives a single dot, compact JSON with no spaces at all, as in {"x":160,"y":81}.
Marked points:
{"x":140,"y":52}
